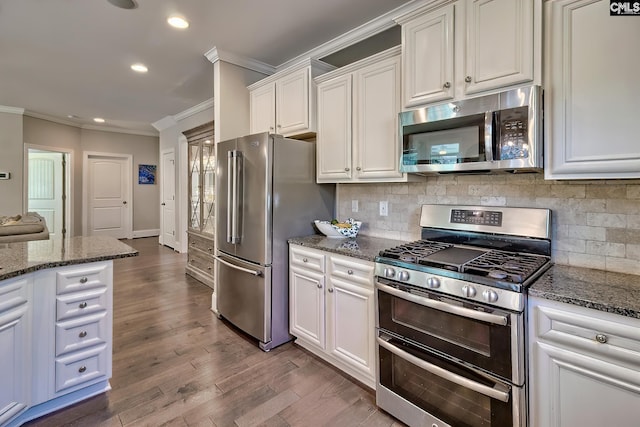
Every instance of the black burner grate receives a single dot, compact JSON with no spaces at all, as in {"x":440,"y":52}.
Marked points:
{"x":506,"y":266}
{"x":415,"y":251}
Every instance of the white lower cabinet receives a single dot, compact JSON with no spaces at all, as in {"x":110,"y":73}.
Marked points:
{"x":15,"y":347}
{"x":332,"y":309}
{"x":584,"y":366}
{"x":55,"y":339}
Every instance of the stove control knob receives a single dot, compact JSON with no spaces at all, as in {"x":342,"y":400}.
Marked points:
{"x":468,"y":291}
{"x":490,"y":295}
{"x":403,"y":275}
{"x":433,"y":282}
{"x":389,"y":273}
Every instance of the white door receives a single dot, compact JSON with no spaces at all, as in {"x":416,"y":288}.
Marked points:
{"x":45,"y":188}
{"x":108,"y":197}
{"x":168,"y":204}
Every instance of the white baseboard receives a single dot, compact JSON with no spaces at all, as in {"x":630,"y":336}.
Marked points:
{"x":146,"y":233}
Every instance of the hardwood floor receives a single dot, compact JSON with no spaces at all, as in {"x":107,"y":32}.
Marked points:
{"x":176,"y":364}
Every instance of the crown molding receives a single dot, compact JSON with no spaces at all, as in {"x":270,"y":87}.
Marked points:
{"x":205,"y":105}
{"x":216,"y":54}
{"x":11,"y":110}
{"x":119,"y":130}
{"x":358,"y":34}
{"x":164,"y":123}
{"x":49,"y":118}
{"x":373,"y":59}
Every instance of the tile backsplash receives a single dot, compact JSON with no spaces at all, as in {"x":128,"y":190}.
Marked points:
{"x":595,"y":224}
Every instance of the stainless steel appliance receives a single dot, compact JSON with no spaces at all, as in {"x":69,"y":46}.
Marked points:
{"x":493,"y":133}
{"x":451,"y":316}
{"x":266,"y":193}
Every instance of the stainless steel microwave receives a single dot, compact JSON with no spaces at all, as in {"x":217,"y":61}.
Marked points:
{"x":501,"y":132}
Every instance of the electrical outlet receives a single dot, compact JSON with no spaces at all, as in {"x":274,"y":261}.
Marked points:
{"x":384,"y":208}
{"x":354,"y":206}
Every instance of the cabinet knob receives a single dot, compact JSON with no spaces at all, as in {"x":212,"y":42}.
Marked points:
{"x":467,"y":79}
{"x":82,"y":334}
{"x":83,"y":305}
{"x":358,"y":168}
{"x":349,"y":272}
{"x":304,"y":260}
{"x":446,"y":85}
{"x":84,"y":280}
{"x":319,"y":286}
{"x":346,"y":169}
{"x":601,"y":338}
{"x":331,"y":290}
{"x":82,"y":369}
{"x":279,"y":126}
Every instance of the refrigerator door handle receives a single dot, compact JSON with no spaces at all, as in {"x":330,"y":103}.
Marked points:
{"x":237,"y":267}
{"x":230,"y":171}
{"x":235,"y":235}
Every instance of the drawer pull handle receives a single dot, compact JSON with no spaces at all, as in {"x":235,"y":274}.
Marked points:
{"x":331,"y":290}
{"x":83,"y":305}
{"x":84,"y":280}
{"x":601,"y":338}
{"x":82,"y":334}
{"x":304,"y":260}
{"x":350,"y":272}
{"x":82,"y":369}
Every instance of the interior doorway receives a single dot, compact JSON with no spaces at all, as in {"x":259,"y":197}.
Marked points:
{"x":168,"y":202}
{"x":48,"y":187}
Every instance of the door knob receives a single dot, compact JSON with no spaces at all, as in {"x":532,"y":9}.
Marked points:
{"x":124,"y":202}
{"x":163,"y":204}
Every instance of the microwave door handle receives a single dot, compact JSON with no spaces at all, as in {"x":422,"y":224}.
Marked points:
{"x":499,"y":391}
{"x":443,"y":306}
{"x":489,"y":145}
{"x":230,"y":160}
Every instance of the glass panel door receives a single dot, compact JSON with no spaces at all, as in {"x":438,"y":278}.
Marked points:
{"x":195,"y":185}
{"x":208,"y":187}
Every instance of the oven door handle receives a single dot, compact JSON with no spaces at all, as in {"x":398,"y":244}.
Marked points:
{"x":499,"y":391}
{"x":443,"y":306}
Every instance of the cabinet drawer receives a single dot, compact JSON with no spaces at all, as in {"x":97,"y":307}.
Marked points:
{"x":202,"y":243}
{"x":201,"y":261}
{"x":81,"y":303}
{"x":81,"y":278}
{"x":80,"y":333}
{"x":352,"y":270}
{"x":307,"y":259}
{"x":82,"y":367}
{"x":608,"y":337}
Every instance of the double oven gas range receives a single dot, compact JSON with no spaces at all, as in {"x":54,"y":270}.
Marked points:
{"x":451,"y":316}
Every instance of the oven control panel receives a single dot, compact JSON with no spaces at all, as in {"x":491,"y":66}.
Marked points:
{"x":476,"y":217}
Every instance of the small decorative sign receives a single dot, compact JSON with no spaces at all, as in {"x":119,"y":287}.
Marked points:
{"x":622,"y":8}
{"x":146,"y":174}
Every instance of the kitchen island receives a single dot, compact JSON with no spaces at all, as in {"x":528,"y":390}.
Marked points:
{"x":55,"y":323}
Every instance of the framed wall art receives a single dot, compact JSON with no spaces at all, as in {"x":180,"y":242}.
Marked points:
{"x":147,"y":174}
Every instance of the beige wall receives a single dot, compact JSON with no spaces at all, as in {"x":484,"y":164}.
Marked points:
{"x":595,"y":224}
{"x":11,"y":158}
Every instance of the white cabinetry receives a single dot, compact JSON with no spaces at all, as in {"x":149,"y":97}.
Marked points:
{"x":591,"y":92}
{"x":332,"y":309}
{"x":585,"y":366}
{"x":15,"y":347}
{"x":284,"y":103}
{"x":456,"y":49}
{"x":358,"y":108}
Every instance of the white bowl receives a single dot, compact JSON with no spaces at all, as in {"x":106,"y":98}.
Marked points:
{"x":334,"y":231}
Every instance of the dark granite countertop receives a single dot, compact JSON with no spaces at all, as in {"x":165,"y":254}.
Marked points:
{"x":597,"y":289}
{"x":24,"y":257}
{"x":362,"y":247}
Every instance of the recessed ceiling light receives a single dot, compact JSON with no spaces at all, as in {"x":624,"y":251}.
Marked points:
{"x":139,"y":68}
{"x":178,"y":22}
{"x":98,"y":120}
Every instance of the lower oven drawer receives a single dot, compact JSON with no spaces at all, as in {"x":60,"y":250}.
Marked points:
{"x":422,"y":388}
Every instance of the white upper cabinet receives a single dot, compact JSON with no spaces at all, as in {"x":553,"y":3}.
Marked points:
{"x":452,"y":50}
{"x":284,"y":103}
{"x":591,"y":92}
{"x":358,"y":108}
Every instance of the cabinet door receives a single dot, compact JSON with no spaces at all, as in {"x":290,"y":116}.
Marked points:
{"x":262,"y":114}
{"x":499,"y":44}
{"x":334,"y":130}
{"x":351,"y":324}
{"x":306,"y":300}
{"x":376,"y":108}
{"x":591,"y":92}
{"x":427,"y":54}
{"x":292,"y":103}
{"x":15,"y":353}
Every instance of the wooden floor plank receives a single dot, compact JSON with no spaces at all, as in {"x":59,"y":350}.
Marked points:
{"x":176,"y":364}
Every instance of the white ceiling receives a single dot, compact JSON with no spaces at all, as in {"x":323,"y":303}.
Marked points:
{"x":72,"y":57}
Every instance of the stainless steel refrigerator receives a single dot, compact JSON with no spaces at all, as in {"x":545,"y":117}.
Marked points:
{"x":265,"y":193}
